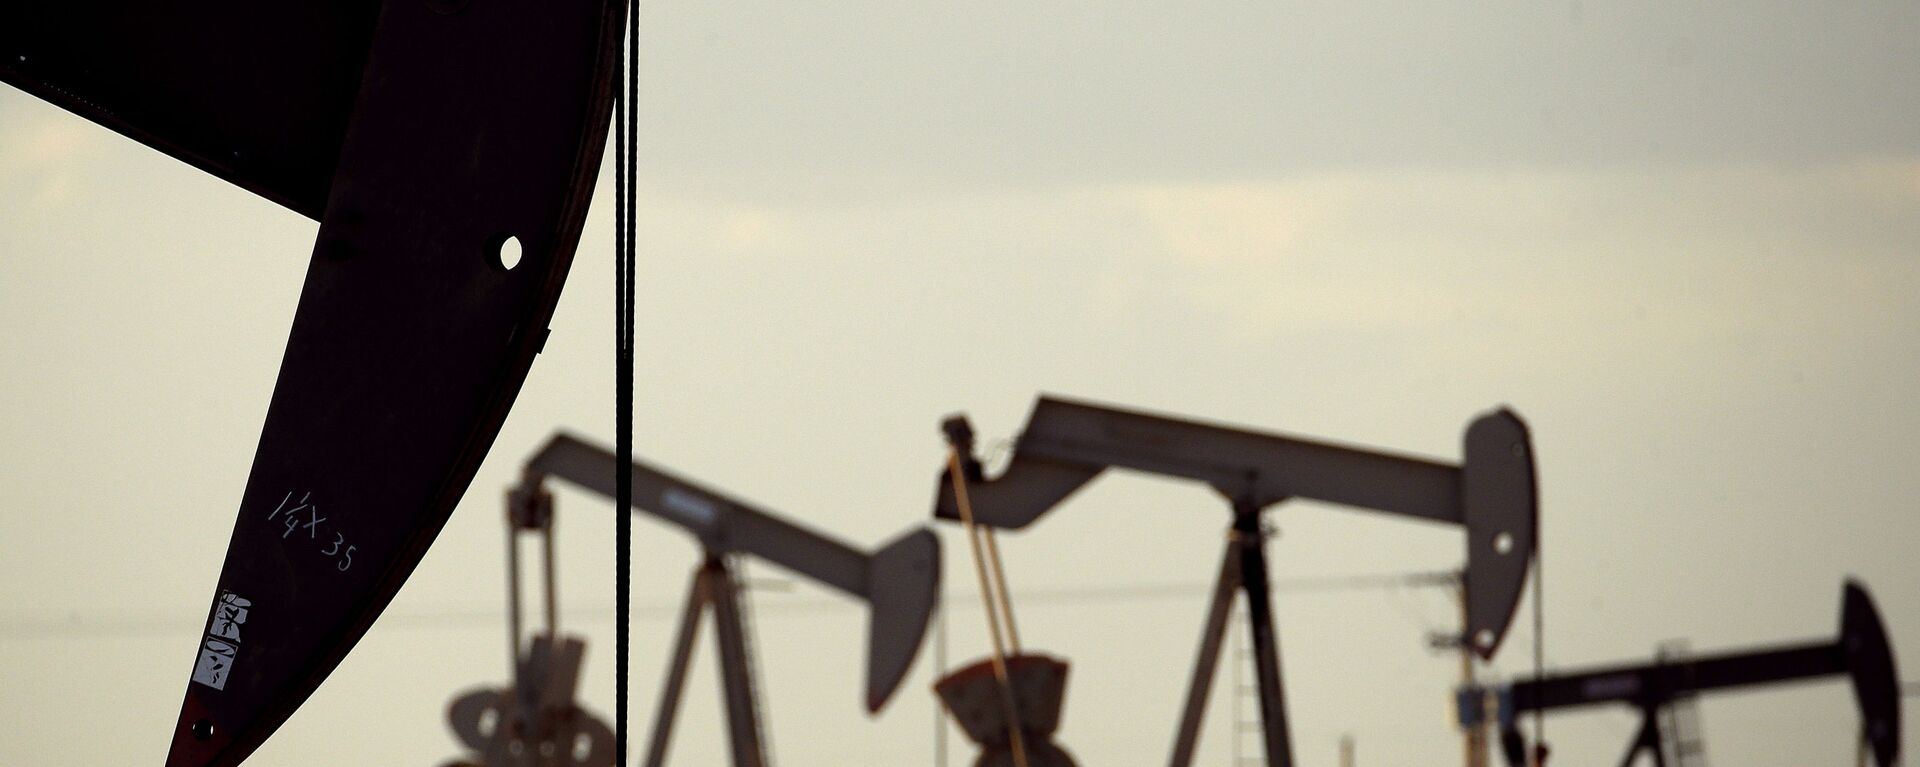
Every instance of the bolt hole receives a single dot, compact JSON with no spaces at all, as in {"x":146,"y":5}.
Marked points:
{"x":582,"y":747}
{"x":1503,"y":543}
{"x":489,"y":719}
{"x":1518,"y":449}
{"x":505,"y":252}
{"x":202,"y":730}
{"x":1484,"y":638}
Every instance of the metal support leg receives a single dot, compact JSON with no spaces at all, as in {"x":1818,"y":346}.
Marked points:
{"x":1266,"y":644}
{"x":513,"y":598}
{"x":1647,"y":739}
{"x":743,"y":724}
{"x":697,"y":597}
{"x":1208,"y":661}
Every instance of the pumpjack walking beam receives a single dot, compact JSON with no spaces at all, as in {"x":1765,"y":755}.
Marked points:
{"x":900,"y":582}
{"x":1861,"y":652}
{"x":1492,"y":494}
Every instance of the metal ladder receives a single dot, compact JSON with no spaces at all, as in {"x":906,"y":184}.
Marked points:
{"x":1246,"y":692}
{"x":744,"y":589}
{"x":1680,"y":719}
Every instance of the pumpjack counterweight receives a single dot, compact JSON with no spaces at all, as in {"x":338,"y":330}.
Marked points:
{"x":1066,"y":444}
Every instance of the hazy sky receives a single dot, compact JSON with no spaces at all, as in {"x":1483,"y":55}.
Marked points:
{"x":1679,"y":238}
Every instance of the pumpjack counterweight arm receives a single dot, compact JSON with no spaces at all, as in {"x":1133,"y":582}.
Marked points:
{"x":900,"y":581}
{"x":1861,"y":652}
{"x":1491,"y":493}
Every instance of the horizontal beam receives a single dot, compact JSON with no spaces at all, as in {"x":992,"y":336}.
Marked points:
{"x":721,"y":523}
{"x":1259,"y":467}
{"x":1656,"y":684}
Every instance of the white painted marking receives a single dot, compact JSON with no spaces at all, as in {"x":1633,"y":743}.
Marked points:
{"x":216,"y":664}
{"x":700,"y":510}
{"x":1616,"y":686}
{"x":223,"y":641}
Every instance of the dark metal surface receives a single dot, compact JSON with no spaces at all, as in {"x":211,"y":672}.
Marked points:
{"x":421,"y":134}
{"x":736,"y":668}
{"x":1876,"y":681}
{"x":668,"y":710}
{"x":1266,"y":641}
{"x":1657,"y":683}
{"x":259,"y":94}
{"x":1499,"y":504}
{"x":1226,"y":588}
{"x":1243,"y":569}
{"x":1861,"y":652}
{"x":1492,"y":495}
{"x":1066,"y":444}
{"x":1646,"y":740}
{"x":536,"y":722}
{"x":900,"y":582}
{"x":714,"y":587}
{"x":972,"y":694}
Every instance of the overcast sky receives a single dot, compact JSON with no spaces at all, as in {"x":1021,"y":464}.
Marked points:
{"x":1679,"y":238}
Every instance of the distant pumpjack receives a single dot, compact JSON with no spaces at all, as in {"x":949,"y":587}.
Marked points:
{"x":900,"y":583}
{"x":1861,"y":653}
{"x":1066,"y":444}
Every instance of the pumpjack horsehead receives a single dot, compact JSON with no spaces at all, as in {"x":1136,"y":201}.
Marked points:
{"x":1013,"y":705}
{"x":434,"y":141}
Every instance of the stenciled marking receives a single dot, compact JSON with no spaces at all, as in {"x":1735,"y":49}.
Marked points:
{"x":304,"y":514}
{"x":700,"y":510}
{"x":1616,"y":686}
{"x":228,"y":614}
{"x":222,"y":643}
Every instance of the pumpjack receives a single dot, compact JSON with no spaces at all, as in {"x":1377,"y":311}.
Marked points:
{"x":448,"y":150}
{"x":1067,"y":443}
{"x":900,"y":582}
{"x":1861,"y":653}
